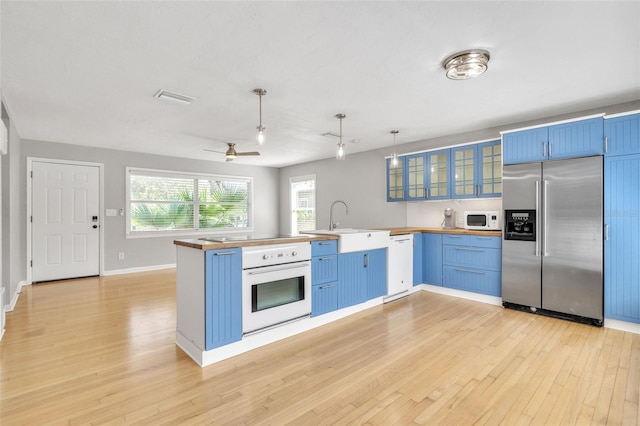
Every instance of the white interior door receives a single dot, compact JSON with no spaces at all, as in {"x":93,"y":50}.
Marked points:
{"x":65,"y":210}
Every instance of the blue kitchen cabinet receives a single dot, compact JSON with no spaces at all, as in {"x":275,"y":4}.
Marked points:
{"x":438,"y":175}
{"x":352,"y":279}
{"x":324,"y":298}
{"x":396,"y":180}
{"x":472,"y":263}
{"x":362,"y":276}
{"x":622,"y":135}
{"x":376,"y":266}
{"x":418,"y":256}
{"x":416,"y":176}
{"x":525,"y":146}
{"x":223,"y":297}
{"x":576,"y":139}
{"x":622,"y":238}
{"x":581,"y":138}
{"x":476,"y":170}
{"x":432,"y":248}
{"x":324,"y":277}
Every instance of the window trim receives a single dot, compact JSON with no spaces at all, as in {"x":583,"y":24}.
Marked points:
{"x":129,"y":233}
{"x":293,"y":208}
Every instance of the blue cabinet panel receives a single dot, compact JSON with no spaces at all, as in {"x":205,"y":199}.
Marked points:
{"x":622,"y":135}
{"x":475,"y":280}
{"x":622,"y":247}
{"x":321,"y":248}
{"x":576,"y":139}
{"x":352,"y":279}
{"x":223,"y":297}
{"x":324,"y":269}
{"x":473,"y":257}
{"x":376,"y":265}
{"x":472,"y":240}
{"x":432,"y":258}
{"x":524,"y":146}
{"x":324,"y":298}
{"x":418,"y":256}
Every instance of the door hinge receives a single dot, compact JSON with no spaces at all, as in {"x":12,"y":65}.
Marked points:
{"x":31,"y":174}
{"x":31,"y":263}
{"x":31,"y":218}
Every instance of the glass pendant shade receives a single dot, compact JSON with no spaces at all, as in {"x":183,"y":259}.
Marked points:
{"x":340,"y":151}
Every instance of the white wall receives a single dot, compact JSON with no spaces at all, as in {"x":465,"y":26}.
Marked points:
{"x":149,"y":252}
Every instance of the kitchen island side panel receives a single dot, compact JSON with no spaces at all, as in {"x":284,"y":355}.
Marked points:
{"x":190,"y":295}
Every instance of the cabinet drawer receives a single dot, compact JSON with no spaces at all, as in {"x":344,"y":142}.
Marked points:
{"x":475,"y":280}
{"x":324,"y":298}
{"x":321,"y":248}
{"x":473,"y":257}
{"x":324,"y":269}
{"x":472,"y":240}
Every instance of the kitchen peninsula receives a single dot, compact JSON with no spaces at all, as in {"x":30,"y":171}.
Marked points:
{"x":235,"y":294}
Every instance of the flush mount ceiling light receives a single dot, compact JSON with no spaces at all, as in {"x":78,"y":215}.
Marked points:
{"x":394,"y":156}
{"x":340,"y":152}
{"x":260,"y":128}
{"x":166,"y":95}
{"x":466,"y":64}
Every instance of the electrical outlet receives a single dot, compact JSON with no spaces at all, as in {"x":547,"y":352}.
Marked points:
{"x":121,"y":255}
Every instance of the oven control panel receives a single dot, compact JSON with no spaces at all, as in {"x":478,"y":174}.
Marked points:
{"x":254,"y":257}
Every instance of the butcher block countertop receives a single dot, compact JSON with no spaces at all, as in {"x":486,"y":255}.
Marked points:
{"x":457,"y":231}
{"x":211,"y":245}
{"x":199,"y":244}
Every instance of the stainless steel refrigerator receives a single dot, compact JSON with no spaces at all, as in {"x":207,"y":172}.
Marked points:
{"x":552,"y":252}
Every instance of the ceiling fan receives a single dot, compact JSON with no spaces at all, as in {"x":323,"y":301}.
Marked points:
{"x":231,"y":153}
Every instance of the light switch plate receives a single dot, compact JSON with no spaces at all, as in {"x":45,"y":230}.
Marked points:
{"x":112,"y":212}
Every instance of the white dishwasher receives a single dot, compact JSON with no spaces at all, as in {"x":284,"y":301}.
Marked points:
{"x":399,"y":266}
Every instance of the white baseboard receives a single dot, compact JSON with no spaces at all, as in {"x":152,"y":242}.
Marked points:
{"x":492,"y":300}
{"x":138,"y":269}
{"x":622,"y":325}
{"x":14,"y":299}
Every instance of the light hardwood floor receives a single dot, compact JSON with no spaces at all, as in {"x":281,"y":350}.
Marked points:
{"x":101,"y":351}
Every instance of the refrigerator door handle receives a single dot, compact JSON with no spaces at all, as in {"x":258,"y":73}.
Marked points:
{"x":537,"y":218}
{"x":544,"y":218}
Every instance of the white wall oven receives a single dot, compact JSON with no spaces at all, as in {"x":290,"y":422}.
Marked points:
{"x":276,"y":285}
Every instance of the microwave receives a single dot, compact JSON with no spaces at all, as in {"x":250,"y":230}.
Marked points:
{"x":482,"y":220}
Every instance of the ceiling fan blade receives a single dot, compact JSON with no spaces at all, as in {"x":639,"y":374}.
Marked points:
{"x":213,"y":150}
{"x":248,"y":153}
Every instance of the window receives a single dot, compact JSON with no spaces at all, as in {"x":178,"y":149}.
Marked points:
{"x":303,"y":203}
{"x":163,"y":202}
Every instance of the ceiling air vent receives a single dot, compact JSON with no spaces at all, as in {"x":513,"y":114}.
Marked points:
{"x":173,"y":97}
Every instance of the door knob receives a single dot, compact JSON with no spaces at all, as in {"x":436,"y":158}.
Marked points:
{"x":95,"y":226}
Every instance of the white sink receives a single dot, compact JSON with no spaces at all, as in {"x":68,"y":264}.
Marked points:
{"x":350,"y":240}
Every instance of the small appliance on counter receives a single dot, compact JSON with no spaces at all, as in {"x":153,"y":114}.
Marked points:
{"x":449,"y":221}
{"x":482,"y":220}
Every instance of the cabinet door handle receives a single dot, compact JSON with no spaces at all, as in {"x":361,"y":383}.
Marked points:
{"x":606,"y":232}
{"x":425,"y":196}
{"x":366,"y":260}
{"x":225,"y":253}
{"x":550,"y":149}
{"x":544,"y":149}
{"x":469,"y":249}
{"x":606,"y":144}
{"x":325,"y":244}
{"x":326,"y":286}
{"x":471,"y":271}
{"x":483,"y":238}
{"x":454,"y":236}
{"x":325,"y":258}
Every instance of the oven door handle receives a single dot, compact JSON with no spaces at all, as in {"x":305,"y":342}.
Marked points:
{"x":266,"y":269}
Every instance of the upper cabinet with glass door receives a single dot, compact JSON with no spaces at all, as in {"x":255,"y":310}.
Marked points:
{"x":477,"y":170}
{"x":395,"y":180}
{"x":438,"y":187}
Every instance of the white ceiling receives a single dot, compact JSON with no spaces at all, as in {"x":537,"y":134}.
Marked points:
{"x":85,"y":72}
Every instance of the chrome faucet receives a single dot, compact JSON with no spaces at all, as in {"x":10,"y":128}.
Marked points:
{"x":332,"y":225}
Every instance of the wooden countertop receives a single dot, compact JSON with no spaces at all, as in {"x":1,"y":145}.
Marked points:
{"x":457,"y":231}
{"x":210,"y":245}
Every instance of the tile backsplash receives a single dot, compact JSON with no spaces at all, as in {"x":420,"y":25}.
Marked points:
{"x":430,"y":214}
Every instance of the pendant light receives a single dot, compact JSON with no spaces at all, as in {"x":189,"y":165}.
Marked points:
{"x":340,"y":152}
{"x":394,"y":157}
{"x":260,"y":136}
